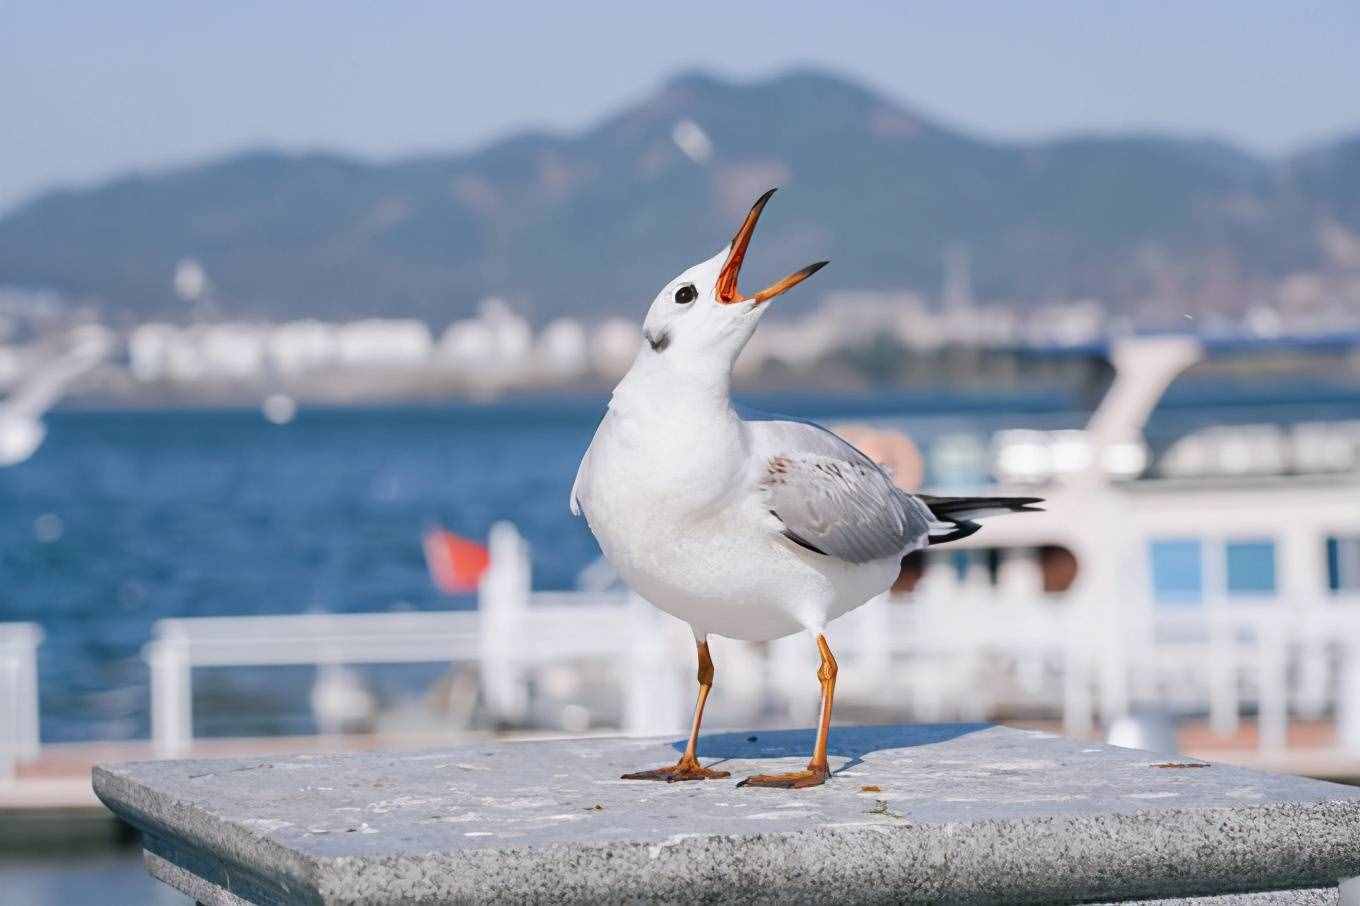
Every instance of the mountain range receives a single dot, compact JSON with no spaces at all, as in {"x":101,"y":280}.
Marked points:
{"x":596,"y":221}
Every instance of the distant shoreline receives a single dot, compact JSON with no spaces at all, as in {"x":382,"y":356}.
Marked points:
{"x":1216,"y":390}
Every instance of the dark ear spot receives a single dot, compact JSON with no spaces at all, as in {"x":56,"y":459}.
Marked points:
{"x":658,"y":342}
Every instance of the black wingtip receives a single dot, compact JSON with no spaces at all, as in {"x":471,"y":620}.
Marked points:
{"x":961,"y":530}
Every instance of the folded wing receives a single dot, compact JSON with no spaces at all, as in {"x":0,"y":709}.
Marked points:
{"x":832,"y":499}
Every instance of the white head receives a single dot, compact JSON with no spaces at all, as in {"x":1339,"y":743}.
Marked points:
{"x":700,"y":321}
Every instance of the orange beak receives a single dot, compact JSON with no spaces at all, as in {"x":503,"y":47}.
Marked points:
{"x":727,"y":291}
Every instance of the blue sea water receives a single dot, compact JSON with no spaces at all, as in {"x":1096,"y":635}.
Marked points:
{"x":123,"y":518}
{"x":117,"y":877}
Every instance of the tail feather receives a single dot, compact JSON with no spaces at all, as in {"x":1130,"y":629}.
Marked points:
{"x":957,"y":516}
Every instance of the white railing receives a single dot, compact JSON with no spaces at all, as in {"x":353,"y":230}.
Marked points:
{"x":1278,"y":657}
{"x":934,"y":654}
{"x":513,"y":632}
{"x":182,"y":644}
{"x":19,"y":738}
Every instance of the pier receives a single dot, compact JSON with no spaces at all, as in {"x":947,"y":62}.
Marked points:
{"x":935,"y":813}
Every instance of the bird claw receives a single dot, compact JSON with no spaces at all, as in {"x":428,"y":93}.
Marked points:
{"x":681,"y":770}
{"x":793,"y":780}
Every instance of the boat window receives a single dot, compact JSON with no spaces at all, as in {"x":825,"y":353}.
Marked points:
{"x":1048,"y":568}
{"x":961,"y":561}
{"x":1177,"y":570}
{"x":1343,"y":563}
{"x":1059,"y":567}
{"x":1250,"y":567}
{"x":913,"y":568}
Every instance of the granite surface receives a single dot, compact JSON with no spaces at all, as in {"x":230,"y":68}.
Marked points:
{"x":963,"y":813}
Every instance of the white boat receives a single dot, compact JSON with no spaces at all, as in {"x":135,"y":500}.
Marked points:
{"x":1223,"y":577}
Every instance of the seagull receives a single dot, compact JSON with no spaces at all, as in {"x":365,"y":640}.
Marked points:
{"x":21,"y":428}
{"x":753,"y":529}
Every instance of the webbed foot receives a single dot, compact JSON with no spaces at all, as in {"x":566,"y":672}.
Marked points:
{"x":793,"y":780}
{"x":684,"y":769}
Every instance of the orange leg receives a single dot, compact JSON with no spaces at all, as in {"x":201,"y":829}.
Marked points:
{"x":817,"y":770}
{"x":688,"y":767}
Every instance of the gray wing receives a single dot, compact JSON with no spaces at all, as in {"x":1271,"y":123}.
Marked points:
{"x":831,"y":498}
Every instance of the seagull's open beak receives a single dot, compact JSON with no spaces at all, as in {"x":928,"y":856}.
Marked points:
{"x":727,"y":291}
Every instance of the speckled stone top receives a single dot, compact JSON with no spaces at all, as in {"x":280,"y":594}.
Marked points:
{"x":964,"y":812}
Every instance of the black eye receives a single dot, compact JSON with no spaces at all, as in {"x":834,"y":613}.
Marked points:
{"x":686,"y":294}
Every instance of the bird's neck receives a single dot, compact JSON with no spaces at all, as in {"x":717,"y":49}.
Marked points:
{"x":672,"y":388}
{"x":678,"y":427}
{"x":672,"y":393}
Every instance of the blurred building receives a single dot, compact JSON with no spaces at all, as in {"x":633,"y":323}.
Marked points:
{"x":300,"y":347}
{"x":493,"y":346}
{"x":562,"y":350}
{"x":377,"y":343}
{"x":615,"y":345}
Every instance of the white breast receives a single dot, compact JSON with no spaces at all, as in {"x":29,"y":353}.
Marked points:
{"x":679,"y":515}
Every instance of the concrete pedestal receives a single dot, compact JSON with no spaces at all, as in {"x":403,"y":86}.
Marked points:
{"x":943,"y":813}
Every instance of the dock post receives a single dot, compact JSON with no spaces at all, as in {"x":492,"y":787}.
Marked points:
{"x":1077,"y":717}
{"x":654,"y":700}
{"x":1273,"y":685}
{"x":1303,"y":581}
{"x":19,"y":737}
{"x":1348,"y":698}
{"x":502,"y":601}
{"x":30,"y":737}
{"x":1223,"y":702}
{"x":872,"y":629}
{"x":172,"y":714}
{"x":9,"y":712}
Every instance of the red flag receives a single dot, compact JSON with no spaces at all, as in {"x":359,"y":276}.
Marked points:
{"x":456,"y":564}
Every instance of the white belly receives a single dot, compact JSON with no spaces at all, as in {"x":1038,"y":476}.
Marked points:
{"x":725,"y":570}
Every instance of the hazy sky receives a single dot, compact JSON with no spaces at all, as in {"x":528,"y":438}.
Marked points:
{"x":95,"y":88}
